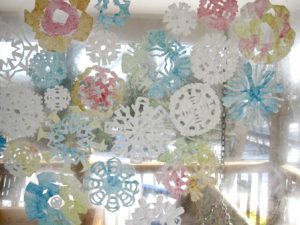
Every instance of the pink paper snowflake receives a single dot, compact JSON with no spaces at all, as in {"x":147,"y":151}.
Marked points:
{"x":174,"y":178}
{"x":97,"y":91}
{"x":217,"y":13}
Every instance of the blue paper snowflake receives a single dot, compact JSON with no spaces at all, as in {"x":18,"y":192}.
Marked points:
{"x":2,"y":144}
{"x":251,"y":99}
{"x":47,"y":69}
{"x":72,"y":138}
{"x":173,"y":65}
{"x":118,"y":18}
{"x":111,"y":184}
{"x":36,"y":200}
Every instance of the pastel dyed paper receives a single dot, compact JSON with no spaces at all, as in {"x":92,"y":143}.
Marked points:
{"x":2,"y":144}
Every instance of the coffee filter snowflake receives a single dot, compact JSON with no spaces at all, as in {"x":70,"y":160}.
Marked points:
{"x":103,"y":47}
{"x":21,"y":111}
{"x":72,"y":139}
{"x":47,"y":69}
{"x":57,"y":98}
{"x":160,"y":212}
{"x":139,"y":131}
{"x":55,"y":199}
{"x":195,"y":109}
{"x":214,"y":59}
{"x":21,"y":158}
{"x":111,"y":184}
{"x":217,"y":14}
{"x":180,"y":20}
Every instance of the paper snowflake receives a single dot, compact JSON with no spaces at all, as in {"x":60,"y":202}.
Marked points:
{"x":139,"y":131}
{"x":57,"y":22}
{"x":195,"y":109}
{"x":72,"y":138}
{"x":103,"y":47}
{"x":47,"y":69}
{"x":119,"y":18}
{"x":214,"y":59}
{"x":111,"y":184}
{"x":252,"y":96}
{"x":180,"y":20}
{"x":157,"y":213}
{"x":217,"y":13}
{"x":174,"y":178}
{"x":97,"y":89}
{"x":21,"y":158}
{"x":2,"y":144}
{"x":18,"y":50}
{"x":55,"y":199}
{"x":21,"y":111}
{"x":264,"y":31}
{"x":57,"y":98}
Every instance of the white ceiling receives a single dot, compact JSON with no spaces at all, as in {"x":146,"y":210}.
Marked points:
{"x":138,"y":7}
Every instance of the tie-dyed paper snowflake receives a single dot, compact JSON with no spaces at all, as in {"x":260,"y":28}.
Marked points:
{"x":21,"y":158}
{"x":102,"y":47}
{"x":97,"y":89}
{"x":195,"y":109}
{"x":217,"y":14}
{"x":117,"y":19}
{"x":180,"y":20}
{"x":174,"y":178}
{"x":21,"y":111}
{"x":17,"y":58}
{"x":158,"y":213}
{"x":214,"y":59}
{"x":57,"y":98}
{"x":57,"y":22}
{"x":173,"y":67}
{"x":111,"y":184}
{"x":139,"y":131}
{"x":55,"y":199}
{"x":72,"y":139}
{"x":47,"y":69}
{"x":264,"y":31}
{"x":251,"y":96}
{"x":2,"y":144}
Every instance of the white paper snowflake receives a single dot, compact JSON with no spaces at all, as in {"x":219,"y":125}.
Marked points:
{"x":139,"y":131}
{"x":214,"y":59}
{"x":159,"y":213}
{"x":57,"y":98}
{"x":103,"y":47}
{"x":18,"y":51}
{"x":21,"y":111}
{"x":195,"y":109}
{"x":180,"y":20}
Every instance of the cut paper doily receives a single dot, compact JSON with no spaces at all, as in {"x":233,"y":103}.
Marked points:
{"x":174,"y":178}
{"x":72,"y":139}
{"x":102,"y":47}
{"x":252,"y":95}
{"x":55,"y":199}
{"x":119,"y":18}
{"x":217,"y":14}
{"x":18,"y":50}
{"x":55,"y":32}
{"x":111,"y":184}
{"x":21,"y":111}
{"x":47,"y":69}
{"x":21,"y":158}
{"x":98,"y":89}
{"x":57,"y":98}
{"x":160,"y":212}
{"x":180,"y":20}
{"x":195,"y":109}
{"x":264,"y":31}
{"x":139,"y":131}
{"x":214,"y":59}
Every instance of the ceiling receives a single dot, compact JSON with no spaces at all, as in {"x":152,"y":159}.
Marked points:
{"x":137,"y":7}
